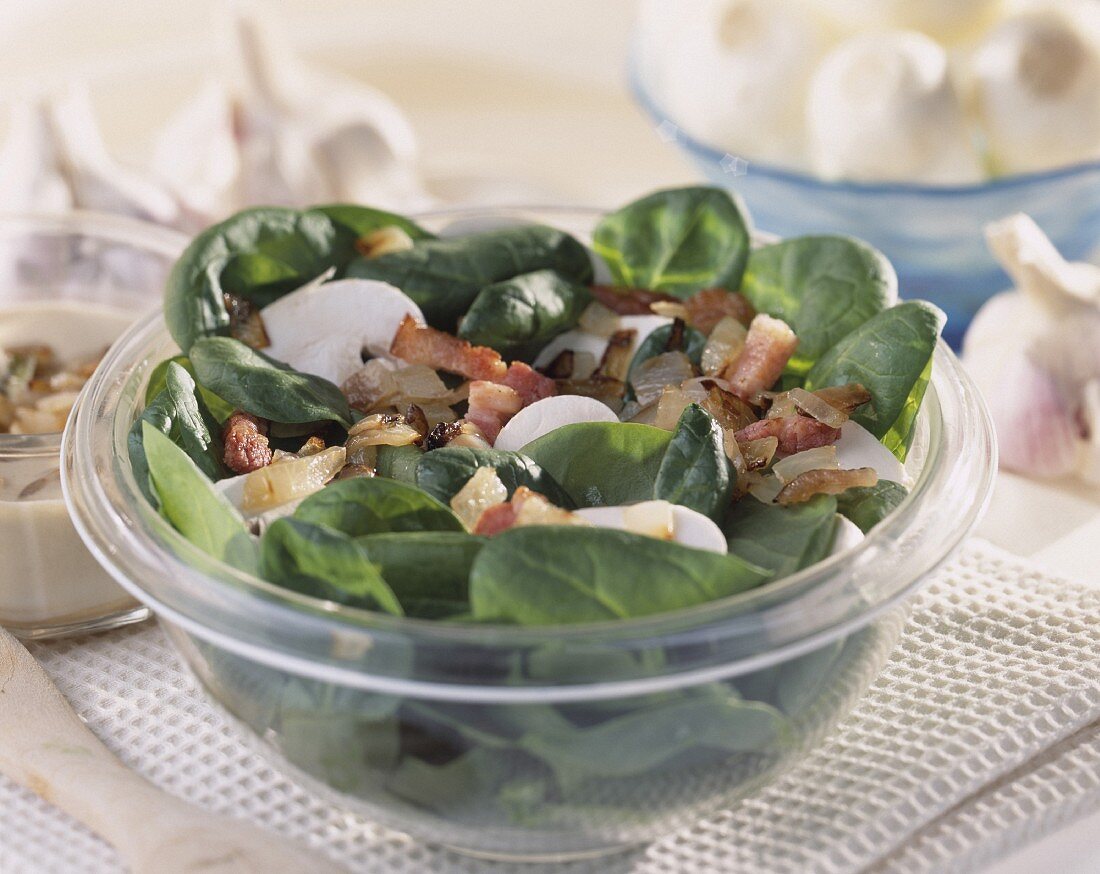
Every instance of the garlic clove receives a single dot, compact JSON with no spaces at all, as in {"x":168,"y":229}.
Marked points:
{"x":324,"y":328}
{"x":858,"y":447}
{"x":689,"y":527}
{"x":847,"y":536}
{"x":32,"y":177}
{"x":543,"y":416}
{"x":97,"y":181}
{"x":874,"y":104}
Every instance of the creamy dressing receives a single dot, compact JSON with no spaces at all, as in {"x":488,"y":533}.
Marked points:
{"x":48,"y":580}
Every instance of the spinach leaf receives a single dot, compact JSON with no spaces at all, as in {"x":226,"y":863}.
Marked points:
{"x":519,"y":316}
{"x":444,"y":276}
{"x":866,"y":507}
{"x":258,"y":254}
{"x":677,"y":241}
{"x":374,"y":505}
{"x":442,"y":472}
{"x":319,"y":561}
{"x":546,"y":575}
{"x":398,"y":462}
{"x":353,"y":222}
{"x":429,"y":571}
{"x":695,"y":472}
{"x":251,"y":381}
{"x":193,"y":507}
{"x":218,"y":408}
{"x":781,"y":539}
{"x":179,"y":413}
{"x":823,"y":287}
{"x":602,"y":463}
{"x":890,"y":354}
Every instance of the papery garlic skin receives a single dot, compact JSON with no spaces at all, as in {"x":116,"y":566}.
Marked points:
{"x":735,"y":72}
{"x":884,"y":106}
{"x":1035,"y":85}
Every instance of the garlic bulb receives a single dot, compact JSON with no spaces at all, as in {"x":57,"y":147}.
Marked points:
{"x":1035,"y":82}
{"x":1035,"y":355}
{"x":883,"y":106}
{"x":735,"y":72}
{"x":949,"y":21}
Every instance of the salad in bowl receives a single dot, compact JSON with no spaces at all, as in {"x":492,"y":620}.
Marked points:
{"x":536,"y":538}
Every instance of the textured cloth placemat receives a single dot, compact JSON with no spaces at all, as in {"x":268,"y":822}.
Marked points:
{"x":981,"y":734}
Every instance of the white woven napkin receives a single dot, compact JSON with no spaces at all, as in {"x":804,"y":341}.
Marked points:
{"x":982,"y":733}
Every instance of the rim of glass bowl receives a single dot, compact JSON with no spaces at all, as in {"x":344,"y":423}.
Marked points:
{"x":110,"y":228}
{"x":715,"y":155}
{"x":361,"y":649}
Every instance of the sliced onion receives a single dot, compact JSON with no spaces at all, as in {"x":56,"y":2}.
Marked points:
{"x":654,"y":374}
{"x":599,"y":320}
{"x":482,"y":491}
{"x":764,"y":487}
{"x":618,"y":355}
{"x":758,"y":453}
{"x":418,"y":382}
{"x":825,"y":482}
{"x":384,"y":429}
{"x":361,"y":452}
{"x":468,"y":435}
{"x":817,"y":408}
{"x":372,"y":386}
{"x":793,"y":466}
{"x":724,"y":345}
{"x":278,"y":484}
{"x":782,"y":405}
{"x":641,"y":415}
{"x":601,"y":388}
{"x":730,"y":411}
{"x":437,"y":413}
{"x":670,"y":407}
{"x":846,"y":398}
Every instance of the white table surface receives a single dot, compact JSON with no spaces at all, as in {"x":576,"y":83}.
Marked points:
{"x":525,"y":94}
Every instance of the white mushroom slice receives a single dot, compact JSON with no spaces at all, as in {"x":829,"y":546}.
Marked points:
{"x":858,"y":447}
{"x":689,"y":528}
{"x":846,"y":536}
{"x":325,"y":328}
{"x":1036,"y":88}
{"x":579,"y":341}
{"x":544,"y":416}
{"x":883,"y":106}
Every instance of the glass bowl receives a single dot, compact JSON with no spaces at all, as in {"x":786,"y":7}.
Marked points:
{"x":530,"y":743}
{"x":934,"y":234}
{"x":72,"y":282}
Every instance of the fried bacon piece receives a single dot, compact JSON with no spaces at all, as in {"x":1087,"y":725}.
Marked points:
{"x":846,"y":398}
{"x":498,"y":518}
{"x":529,"y":384}
{"x":526,"y":507}
{"x":768,"y":347}
{"x":629,"y":301}
{"x":795,"y":433}
{"x":419,"y":344}
{"x":708,"y":307}
{"x":245,"y":439}
{"x":491,"y":405}
{"x":825,"y":482}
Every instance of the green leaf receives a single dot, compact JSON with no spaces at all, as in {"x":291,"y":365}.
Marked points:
{"x":442,"y":472}
{"x":890,"y":354}
{"x":602,"y":463}
{"x":259,"y":254}
{"x":353,"y":222}
{"x":519,"y":316}
{"x":374,"y":505}
{"x":824,"y":287}
{"x":695,"y":472}
{"x":444,"y":276}
{"x":218,"y":408}
{"x":867,"y":506}
{"x":178,"y":412}
{"x":398,"y":462}
{"x":251,"y":381}
{"x":190,"y":503}
{"x":429,"y":571}
{"x":781,"y":539}
{"x":319,"y":561}
{"x":677,"y":241}
{"x":558,"y":575}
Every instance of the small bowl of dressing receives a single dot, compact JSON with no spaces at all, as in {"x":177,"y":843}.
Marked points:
{"x":69,"y":286}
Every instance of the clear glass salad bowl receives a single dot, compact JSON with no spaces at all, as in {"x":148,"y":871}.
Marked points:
{"x":611,"y":735}
{"x":933,"y":234}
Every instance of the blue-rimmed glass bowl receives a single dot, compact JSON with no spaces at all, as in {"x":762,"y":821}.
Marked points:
{"x":932,"y":233}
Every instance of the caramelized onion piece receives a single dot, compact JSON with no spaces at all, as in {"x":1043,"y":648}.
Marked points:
{"x":653,"y":375}
{"x":793,"y":466}
{"x":825,"y":482}
{"x":371,"y":386}
{"x":279,"y":484}
{"x":481,"y":491}
{"x":615,"y":363}
{"x":604,"y":389}
{"x":384,"y":429}
{"x":846,"y":398}
{"x":245,"y":322}
{"x":816,"y":408}
{"x":758,"y":453}
{"x":708,"y":307}
{"x":729,"y":410}
{"x":562,"y":366}
{"x":723,"y":346}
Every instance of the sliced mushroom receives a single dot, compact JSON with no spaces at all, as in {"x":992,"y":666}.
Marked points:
{"x":325,"y":328}
{"x":858,"y":447}
{"x":544,"y":416}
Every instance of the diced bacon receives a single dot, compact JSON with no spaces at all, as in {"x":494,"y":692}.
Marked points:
{"x":418,"y":344}
{"x":244,"y":437}
{"x":629,"y":301}
{"x":529,"y":384}
{"x":768,"y":347}
{"x":708,"y":307}
{"x":795,"y":433}
{"x":491,"y":405}
{"x":498,"y":518}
